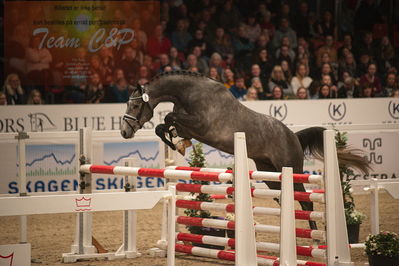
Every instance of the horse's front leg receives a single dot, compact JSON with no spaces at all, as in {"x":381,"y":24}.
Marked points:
{"x":161,"y":130}
{"x":185,"y":121}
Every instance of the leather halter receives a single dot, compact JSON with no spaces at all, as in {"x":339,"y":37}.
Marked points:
{"x":143,"y":97}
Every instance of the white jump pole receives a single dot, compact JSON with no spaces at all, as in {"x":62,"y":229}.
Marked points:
{"x":288,"y":256}
{"x":338,"y":252}
{"x":23,"y":226}
{"x":244,"y":227}
{"x":171,"y":226}
{"x":130,"y":217}
{"x":374,"y":207}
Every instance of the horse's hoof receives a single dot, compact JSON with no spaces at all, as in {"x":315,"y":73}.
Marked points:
{"x":180,"y":147}
{"x":187,"y":143}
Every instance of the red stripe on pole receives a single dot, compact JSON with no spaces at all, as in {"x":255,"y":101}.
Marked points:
{"x":302,"y":196}
{"x":304,"y":251}
{"x":230,"y":190}
{"x":189,"y":237}
{"x":250,"y":174}
{"x":304,"y":233}
{"x":193,"y":221}
{"x":231,"y":242}
{"x":231,"y":225}
{"x":230,"y":208}
{"x":218,"y":196}
{"x":301,"y":178}
{"x":318,"y":191}
{"x":184,"y":248}
{"x":151,"y":172}
{"x":311,"y":263}
{"x":223,"y":255}
{"x":205,"y":176}
{"x":195,"y":188}
{"x":188,"y":168}
{"x":189,"y":204}
{"x":302,"y":215}
{"x":102,"y":169}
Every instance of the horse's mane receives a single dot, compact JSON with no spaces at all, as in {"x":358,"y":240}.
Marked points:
{"x":180,"y":72}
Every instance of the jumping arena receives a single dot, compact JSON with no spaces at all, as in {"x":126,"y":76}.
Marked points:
{"x":148,"y":227}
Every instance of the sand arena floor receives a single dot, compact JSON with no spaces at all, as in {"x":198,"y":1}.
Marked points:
{"x":52,"y":235}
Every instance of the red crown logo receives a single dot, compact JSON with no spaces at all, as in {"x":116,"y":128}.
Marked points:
{"x":83,"y":202}
{"x":7,"y":260}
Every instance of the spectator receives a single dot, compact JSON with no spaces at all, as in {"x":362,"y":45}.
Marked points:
{"x":285,"y":54}
{"x":391,"y":85}
{"x":326,"y":92}
{"x":263,"y":42}
{"x":265,"y":64}
{"x":158,"y":43}
{"x":372,"y":79}
{"x":181,"y":37}
{"x":326,"y":79}
{"x":214,"y":74}
{"x":257,"y":85}
{"x":366,"y":46}
{"x":346,"y":44}
{"x":362,"y":66}
{"x":119,"y":90}
{"x":267,"y":25}
{"x":395,"y":94}
{"x":108,"y":63}
{"x":242,"y":45}
{"x":326,"y":69}
{"x":302,"y":52}
{"x":199,"y":40}
{"x":238,"y":89}
{"x":327,"y":26}
{"x":348,"y":65}
{"x":385,"y":54}
{"x":277,"y":93}
{"x":94,"y":91}
{"x":301,"y":79}
{"x":216,"y":61}
{"x":277,"y":78}
{"x":35,"y":97}
{"x":251,"y":95}
{"x":202,"y":62}
{"x":222,"y":43}
{"x":348,"y":89}
{"x":130,"y":64}
{"x":256,"y":72}
{"x":175,"y":60}
{"x":301,"y":22}
{"x":252,"y":28}
{"x":328,"y":48}
{"x":96,"y":66}
{"x":284,"y":31}
{"x":302,"y":94}
{"x":229,"y":16}
{"x":367,"y":91}
{"x":139,"y":34}
{"x":228,"y":78}
{"x":286,"y":70}
{"x":15,"y":94}
{"x":163,"y":62}
{"x":3,"y":98}
{"x":144,"y":75}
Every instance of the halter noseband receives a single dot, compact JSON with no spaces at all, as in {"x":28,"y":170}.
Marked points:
{"x":145,"y":98}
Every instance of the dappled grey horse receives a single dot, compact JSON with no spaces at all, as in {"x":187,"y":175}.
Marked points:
{"x":206,"y":111}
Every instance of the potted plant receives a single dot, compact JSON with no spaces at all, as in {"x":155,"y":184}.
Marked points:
{"x":197,"y":159}
{"x":354,"y":218}
{"x":383,"y":249}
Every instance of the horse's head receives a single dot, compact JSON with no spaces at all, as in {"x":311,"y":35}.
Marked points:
{"x":137,"y":113}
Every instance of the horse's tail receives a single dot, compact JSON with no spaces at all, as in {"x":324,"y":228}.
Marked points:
{"x":311,"y":139}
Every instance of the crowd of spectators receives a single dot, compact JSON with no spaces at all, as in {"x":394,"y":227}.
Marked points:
{"x":259,"y":50}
